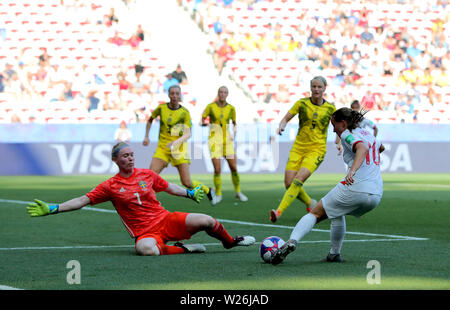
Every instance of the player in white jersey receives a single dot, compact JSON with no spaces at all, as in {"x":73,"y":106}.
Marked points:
{"x":365,"y":122}
{"x":358,"y":192}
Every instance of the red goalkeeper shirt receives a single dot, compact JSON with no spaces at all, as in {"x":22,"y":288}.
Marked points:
{"x":134,"y":199}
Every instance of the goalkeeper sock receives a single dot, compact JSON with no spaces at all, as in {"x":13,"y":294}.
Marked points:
{"x":303,"y":227}
{"x":219,"y":232}
{"x":291,"y":193}
{"x":165,"y":249}
{"x":337,"y":233}
{"x":218,"y":184}
{"x":197,"y":183}
{"x":236,"y":181}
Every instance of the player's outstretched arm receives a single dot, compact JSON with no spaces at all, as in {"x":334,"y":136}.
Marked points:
{"x":40,"y":208}
{"x":195,"y":194}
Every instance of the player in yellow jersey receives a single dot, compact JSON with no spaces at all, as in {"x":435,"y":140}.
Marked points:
{"x":309,"y":148}
{"x":220,"y":114}
{"x":174,"y":131}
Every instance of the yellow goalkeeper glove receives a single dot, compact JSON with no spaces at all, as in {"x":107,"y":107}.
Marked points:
{"x":40,"y":208}
{"x":195,"y":194}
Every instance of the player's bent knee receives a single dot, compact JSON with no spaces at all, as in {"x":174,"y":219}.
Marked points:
{"x":148,"y":251}
{"x":205,"y":221}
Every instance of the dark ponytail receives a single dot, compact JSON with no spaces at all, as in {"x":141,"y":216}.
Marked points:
{"x":352,"y":118}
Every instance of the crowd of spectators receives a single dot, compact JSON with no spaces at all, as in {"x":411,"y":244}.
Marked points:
{"x":78,"y":61}
{"x":87,"y":56}
{"x":379,"y":52}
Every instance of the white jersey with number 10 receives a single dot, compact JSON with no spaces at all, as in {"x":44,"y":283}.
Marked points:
{"x":368,"y":176}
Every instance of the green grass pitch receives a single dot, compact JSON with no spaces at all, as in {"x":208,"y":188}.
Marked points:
{"x":408,"y":234}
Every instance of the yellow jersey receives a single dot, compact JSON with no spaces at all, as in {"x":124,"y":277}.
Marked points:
{"x":220,"y":117}
{"x":172,"y":123}
{"x":313,"y":123}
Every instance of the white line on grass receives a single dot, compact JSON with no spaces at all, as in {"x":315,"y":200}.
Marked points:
{"x":9,"y":288}
{"x":252,"y":224}
{"x":81,"y":247}
{"x":418,"y":184}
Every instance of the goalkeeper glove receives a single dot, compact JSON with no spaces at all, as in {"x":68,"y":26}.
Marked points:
{"x":195,"y":194}
{"x":40,"y":208}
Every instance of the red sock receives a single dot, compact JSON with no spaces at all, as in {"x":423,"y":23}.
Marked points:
{"x":219,"y":232}
{"x":169,"y":249}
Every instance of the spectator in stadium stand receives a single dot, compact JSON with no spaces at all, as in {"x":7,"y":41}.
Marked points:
{"x":139,"y":68}
{"x":67,"y":93}
{"x":400,"y":102}
{"x":140,"y":33}
{"x":367,"y":36}
{"x":122,"y":134}
{"x":124,"y":84}
{"x":174,"y":131}
{"x":2,"y":82}
{"x":169,"y":82}
{"x":222,"y":55}
{"x":218,"y":26}
{"x":300,"y":53}
{"x":442,"y":79}
{"x":282,"y":95}
{"x":116,"y":39}
{"x":111,"y":18}
{"x":368,"y":101}
{"x":92,"y":101}
{"x":353,"y":77}
{"x":138,"y":85}
{"x":44,"y":58}
{"x":132,"y":191}
{"x":180,"y":75}
{"x":134,"y":41}
{"x":314,"y":39}
{"x":426,"y":78}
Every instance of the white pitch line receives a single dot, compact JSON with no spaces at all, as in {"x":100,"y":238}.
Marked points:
{"x":323,"y":230}
{"x":418,"y":184}
{"x":253,"y":224}
{"x":9,"y":288}
{"x":81,"y":247}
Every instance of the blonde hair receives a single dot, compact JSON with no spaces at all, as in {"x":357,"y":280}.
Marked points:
{"x":321,"y":79}
{"x":116,"y":148}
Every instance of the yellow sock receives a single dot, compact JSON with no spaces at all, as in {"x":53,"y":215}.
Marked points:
{"x":236,"y":181}
{"x":204,"y":187}
{"x":218,"y":184}
{"x":303,"y":197}
{"x":291,"y":193}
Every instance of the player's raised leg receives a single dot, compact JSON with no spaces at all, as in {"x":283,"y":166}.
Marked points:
{"x":293,"y":190}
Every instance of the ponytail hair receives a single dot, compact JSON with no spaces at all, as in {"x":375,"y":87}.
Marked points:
{"x":352,"y":118}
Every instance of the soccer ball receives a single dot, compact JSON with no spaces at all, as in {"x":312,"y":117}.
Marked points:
{"x":269,"y":246}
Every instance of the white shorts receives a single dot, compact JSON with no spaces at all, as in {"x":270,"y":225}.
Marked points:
{"x":341,"y":201}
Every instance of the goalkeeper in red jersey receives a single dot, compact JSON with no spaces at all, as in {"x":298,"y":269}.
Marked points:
{"x":132,"y":191}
